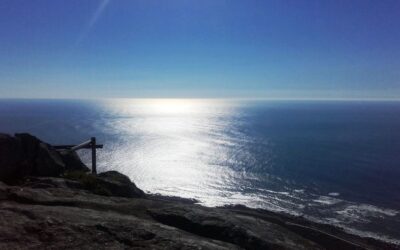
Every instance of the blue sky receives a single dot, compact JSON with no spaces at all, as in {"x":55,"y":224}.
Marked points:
{"x":207,"y":48}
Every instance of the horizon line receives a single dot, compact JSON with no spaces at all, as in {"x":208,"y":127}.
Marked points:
{"x":207,"y":98}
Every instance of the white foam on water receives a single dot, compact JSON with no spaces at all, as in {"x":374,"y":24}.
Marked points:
{"x":327,"y":200}
{"x":351,"y":230}
{"x":371,"y":235}
{"x":367,"y":210}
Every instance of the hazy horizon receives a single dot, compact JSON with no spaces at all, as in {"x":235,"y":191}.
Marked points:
{"x":208,"y":98}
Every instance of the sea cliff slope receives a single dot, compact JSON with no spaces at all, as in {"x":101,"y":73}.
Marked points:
{"x":49,"y":199}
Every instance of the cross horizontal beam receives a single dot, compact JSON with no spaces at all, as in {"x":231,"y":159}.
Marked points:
{"x":71,"y":146}
{"x":91,"y":144}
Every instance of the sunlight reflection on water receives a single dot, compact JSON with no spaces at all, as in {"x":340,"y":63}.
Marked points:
{"x":174,"y":147}
{"x":332,"y":162}
{"x":203,"y":149}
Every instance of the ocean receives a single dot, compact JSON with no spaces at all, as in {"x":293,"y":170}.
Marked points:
{"x":334,"y":162}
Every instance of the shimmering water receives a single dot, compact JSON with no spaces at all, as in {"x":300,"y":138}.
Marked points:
{"x":332,"y":162}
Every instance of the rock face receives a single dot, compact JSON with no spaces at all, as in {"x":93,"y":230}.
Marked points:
{"x":48,"y":161}
{"x":24,"y":155}
{"x":11,"y":155}
{"x":72,"y":161}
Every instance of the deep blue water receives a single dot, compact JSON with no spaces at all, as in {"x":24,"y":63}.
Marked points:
{"x":335,"y":162}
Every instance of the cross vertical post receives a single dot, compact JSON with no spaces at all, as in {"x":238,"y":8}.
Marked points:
{"x":93,"y":146}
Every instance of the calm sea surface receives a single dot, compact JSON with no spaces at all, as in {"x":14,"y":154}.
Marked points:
{"x":332,"y":162}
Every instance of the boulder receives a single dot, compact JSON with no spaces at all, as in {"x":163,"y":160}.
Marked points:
{"x":119,"y":185}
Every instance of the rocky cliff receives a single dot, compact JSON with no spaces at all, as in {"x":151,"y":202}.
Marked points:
{"x":48,"y":200}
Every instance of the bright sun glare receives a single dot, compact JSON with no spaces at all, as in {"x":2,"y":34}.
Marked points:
{"x":164,"y":106}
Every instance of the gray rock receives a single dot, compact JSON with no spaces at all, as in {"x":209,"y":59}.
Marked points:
{"x":54,"y":227}
{"x":243,"y":231}
{"x":57,"y":216}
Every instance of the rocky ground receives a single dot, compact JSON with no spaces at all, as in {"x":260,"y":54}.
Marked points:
{"x":48,"y":200}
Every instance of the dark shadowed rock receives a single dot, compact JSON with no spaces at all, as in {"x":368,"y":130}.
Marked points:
{"x":48,"y":161}
{"x":161,"y":197}
{"x":119,"y":185}
{"x":51,"y":182}
{"x":111,"y":183}
{"x":30,"y":145}
{"x":24,"y":155}
{"x":72,"y":161}
{"x":11,"y":154}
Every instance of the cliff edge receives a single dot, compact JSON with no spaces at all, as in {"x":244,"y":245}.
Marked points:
{"x":49,"y":200}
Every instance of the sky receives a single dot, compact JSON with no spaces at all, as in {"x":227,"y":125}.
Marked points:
{"x":204,"y":49}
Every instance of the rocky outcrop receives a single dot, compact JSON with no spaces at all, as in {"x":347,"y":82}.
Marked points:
{"x":49,"y":213}
{"x":79,"y":210}
{"x":23,"y":154}
{"x":11,"y":155}
{"x":47,"y":161}
{"x":72,"y":161}
{"x":44,"y":222}
{"x":119,"y":185}
{"x":109,"y":183}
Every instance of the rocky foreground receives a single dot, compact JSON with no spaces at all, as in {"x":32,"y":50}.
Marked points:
{"x":48,"y":200}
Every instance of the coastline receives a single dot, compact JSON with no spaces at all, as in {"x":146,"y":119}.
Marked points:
{"x":49,"y":200}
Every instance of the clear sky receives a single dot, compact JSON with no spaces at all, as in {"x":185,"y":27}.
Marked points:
{"x":200,"y":48}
